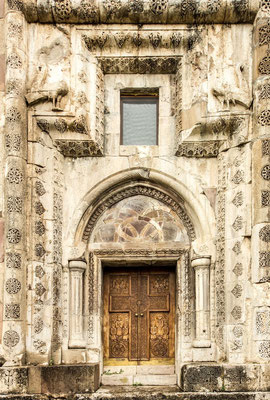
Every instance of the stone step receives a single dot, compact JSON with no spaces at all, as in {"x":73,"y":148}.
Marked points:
{"x":166,"y":393}
{"x":140,"y":370}
{"x":138,"y":380}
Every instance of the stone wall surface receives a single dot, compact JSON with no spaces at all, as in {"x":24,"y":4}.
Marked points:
{"x":73,"y":199}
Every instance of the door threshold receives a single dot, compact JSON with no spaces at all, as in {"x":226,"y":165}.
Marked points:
{"x":140,"y":375}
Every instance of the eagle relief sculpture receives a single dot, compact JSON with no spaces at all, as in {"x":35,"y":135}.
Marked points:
{"x":47,"y":82}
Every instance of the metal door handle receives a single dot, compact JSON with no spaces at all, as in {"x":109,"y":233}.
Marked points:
{"x":141,"y":314}
{"x":136,"y":315}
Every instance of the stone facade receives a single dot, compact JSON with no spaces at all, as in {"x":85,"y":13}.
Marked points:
{"x":74,"y":200}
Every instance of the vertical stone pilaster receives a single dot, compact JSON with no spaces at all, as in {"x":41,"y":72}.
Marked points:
{"x":15,"y":188}
{"x":260,"y":273}
{"x":201,"y":266}
{"x":76,"y":331}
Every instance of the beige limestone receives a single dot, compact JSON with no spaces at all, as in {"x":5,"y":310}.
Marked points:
{"x":64,"y":174}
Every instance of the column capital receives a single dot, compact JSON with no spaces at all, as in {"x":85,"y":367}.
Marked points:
{"x":77,"y":265}
{"x":201,"y":261}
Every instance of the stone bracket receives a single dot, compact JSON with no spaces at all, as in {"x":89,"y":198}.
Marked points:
{"x":70,"y":134}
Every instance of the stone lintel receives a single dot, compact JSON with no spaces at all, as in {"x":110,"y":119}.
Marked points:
{"x":146,"y":12}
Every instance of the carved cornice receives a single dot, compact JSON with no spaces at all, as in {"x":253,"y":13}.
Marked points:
{"x":157,"y":194}
{"x":137,"y":11}
{"x":199,"y":149}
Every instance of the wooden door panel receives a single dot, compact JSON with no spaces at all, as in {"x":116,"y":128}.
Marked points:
{"x":119,"y":335}
{"x":139,"y":314}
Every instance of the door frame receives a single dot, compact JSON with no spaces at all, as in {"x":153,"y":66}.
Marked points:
{"x":159,"y":256}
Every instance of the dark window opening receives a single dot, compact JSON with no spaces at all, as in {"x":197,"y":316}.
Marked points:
{"x":139,"y":117}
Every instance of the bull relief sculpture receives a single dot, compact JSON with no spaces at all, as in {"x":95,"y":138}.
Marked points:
{"x":44,"y":85}
{"x":233,"y":88}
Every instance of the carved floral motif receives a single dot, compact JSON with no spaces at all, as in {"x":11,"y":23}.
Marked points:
{"x":159,"y":335}
{"x":199,"y":149}
{"x":119,"y":335}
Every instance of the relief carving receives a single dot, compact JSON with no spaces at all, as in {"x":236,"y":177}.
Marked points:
{"x":119,"y":335}
{"x":234,"y":89}
{"x":159,"y":335}
{"x":199,"y":149}
{"x":43,"y":86}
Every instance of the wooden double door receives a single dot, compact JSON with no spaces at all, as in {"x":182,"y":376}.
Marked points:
{"x":139,"y":315}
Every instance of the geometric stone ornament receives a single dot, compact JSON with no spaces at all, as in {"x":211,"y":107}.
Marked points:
{"x":40,"y":188}
{"x":264,"y":349}
{"x":238,"y":269}
{"x":38,"y":325}
{"x":264,"y":35}
{"x":264,"y":69}
{"x":39,"y":250}
{"x":266,"y":144}
{"x":14,"y":260}
{"x":14,"y":235}
{"x":237,"y":291}
{"x":265,"y":198}
{"x":237,"y":248}
{"x":40,"y":289}
{"x":265,"y":172}
{"x":264,"y":234}
{"x":138,"y":65}
{"x":263,"y":323}
{"x":12,"y":311}
{"x":238,"y":331}
{"x":39,"y":228}
{"x":14,"y":204}
{"x":11,"y":338}
{"x":39,"y":208}
{"x":238,"y":177}
{"x":14,"y":175}
{"x":238,"y":199}
{"x":199,"y":149}
{"x":264,"y":118}
{"x":236,"y":312}
{"x":39,"y":271}
{"x":238,"y":223}
{"x":13,"y":286}
{"x":264,"y":259}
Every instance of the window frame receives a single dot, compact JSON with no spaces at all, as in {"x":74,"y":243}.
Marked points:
{"x":125,"y":96}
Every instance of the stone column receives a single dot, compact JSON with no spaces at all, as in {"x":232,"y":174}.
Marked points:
{"x":76,"y":329}
{"x":201,"y":267}
{"x":15,"y":186}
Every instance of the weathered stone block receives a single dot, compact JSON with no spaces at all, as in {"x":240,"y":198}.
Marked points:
{"x":64,"y":379}
{"x":202,"y":378}
{"x":13,"y":380}
{"x":241,"y":378}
